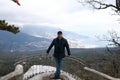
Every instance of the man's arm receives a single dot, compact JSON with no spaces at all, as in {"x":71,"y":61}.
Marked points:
{"x":67,"y":47}
{"x":51,"y":45}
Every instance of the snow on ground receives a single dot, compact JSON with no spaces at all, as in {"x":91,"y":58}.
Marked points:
{"x":36,"y":72}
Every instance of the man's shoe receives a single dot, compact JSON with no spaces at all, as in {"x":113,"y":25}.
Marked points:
{"x":56,"y":78}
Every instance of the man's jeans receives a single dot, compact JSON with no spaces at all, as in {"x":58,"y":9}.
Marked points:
{"x":58,"y":66}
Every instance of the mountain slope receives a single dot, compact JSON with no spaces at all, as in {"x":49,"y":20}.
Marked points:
{"x":75,"y":40}
{"x":21,"y":42}
{"x":33,"y":38}
{"x":49,"y":32}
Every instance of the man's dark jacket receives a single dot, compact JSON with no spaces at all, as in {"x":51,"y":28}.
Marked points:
{"x":59,"y":47}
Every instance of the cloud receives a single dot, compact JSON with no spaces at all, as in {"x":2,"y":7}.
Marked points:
{"x":66,"y":14}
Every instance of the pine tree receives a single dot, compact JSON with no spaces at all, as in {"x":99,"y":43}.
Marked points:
{"x":8,"y":27}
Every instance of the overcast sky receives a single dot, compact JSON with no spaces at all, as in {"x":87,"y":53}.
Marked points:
{"x":66,"y":14}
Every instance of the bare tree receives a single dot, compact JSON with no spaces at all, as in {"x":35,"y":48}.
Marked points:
{"x":113,"y":40}
{"x":100,"y":4}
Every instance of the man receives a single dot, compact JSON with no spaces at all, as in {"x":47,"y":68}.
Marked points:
{"x":59,"y":44}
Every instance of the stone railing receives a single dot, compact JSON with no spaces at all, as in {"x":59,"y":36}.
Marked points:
{"x":93,"y":70}
{"x":100,"y":74}
{"x":17,"y":74}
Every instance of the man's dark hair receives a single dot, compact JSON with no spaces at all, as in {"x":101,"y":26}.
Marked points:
{"x":59,"y":32}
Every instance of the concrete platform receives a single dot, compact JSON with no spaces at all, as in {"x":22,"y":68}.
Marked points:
{"x":40,"y":72}
{"x":47,"y":76}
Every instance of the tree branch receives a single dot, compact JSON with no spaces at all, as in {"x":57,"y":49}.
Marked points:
{"x":96,"y":4}
{"x":7,"y":27}
{"x":101,"y":5}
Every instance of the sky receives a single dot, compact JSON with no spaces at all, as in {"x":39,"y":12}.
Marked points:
{"x":69,"y":15}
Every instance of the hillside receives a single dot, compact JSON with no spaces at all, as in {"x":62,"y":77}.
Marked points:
{"x":33,"y":38}
{"x":76,"y":40}
{"x":21,"y":42}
